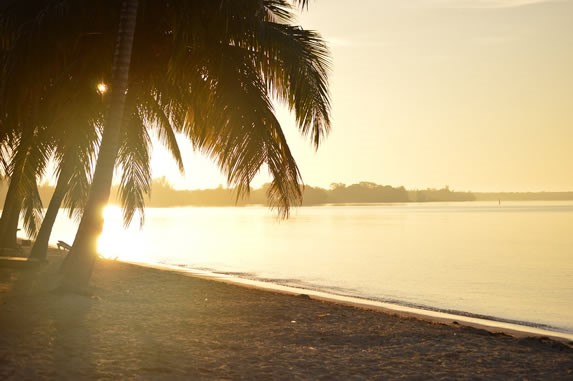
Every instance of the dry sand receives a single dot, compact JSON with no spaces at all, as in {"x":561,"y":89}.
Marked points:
{"x":146,"y":323}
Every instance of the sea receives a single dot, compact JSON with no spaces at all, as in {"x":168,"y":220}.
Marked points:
{"x":508,"y":262}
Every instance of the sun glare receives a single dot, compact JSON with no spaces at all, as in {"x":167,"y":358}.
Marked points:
{"x":117,"y":242}
{"x":101,"y":88}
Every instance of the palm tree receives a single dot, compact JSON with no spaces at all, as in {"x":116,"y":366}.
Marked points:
{"x":215,"y":84}
{"x":27,"y":162}
{"x":231,"y":74}
{"x":74,"y":151}
{"x":77,"y":267}
{"x":35,"y":98}
{"x":224,"y":61}
{"x":27,"y":108}
{"x":74,"y":116}
{"x":70,"y":113}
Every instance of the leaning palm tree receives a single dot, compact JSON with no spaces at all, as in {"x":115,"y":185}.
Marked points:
{"x":73,"y":114}
{"x":65,"y":109}
{"x":229,"y":76}
{"x":27,"y":161}
{"x":74,"y":152}
{"x":24,"y":151}
{"x":78,"y":265}
{"x":216,"y":85}
{"x":28,"y":107}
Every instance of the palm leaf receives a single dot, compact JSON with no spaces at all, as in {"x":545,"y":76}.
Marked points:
{"x":295,"y":65}
{"x":134,"y":160}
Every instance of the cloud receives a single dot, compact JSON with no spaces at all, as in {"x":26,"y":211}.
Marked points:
{"x":485,"y":4}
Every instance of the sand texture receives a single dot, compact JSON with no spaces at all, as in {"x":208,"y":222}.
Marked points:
{"x":149,"y":324}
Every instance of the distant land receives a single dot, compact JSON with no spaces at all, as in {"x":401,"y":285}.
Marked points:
{"x":163,"y":195}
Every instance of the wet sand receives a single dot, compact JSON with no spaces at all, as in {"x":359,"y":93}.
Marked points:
{"x":143,"y":323}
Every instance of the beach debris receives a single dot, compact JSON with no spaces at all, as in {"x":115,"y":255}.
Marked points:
{"x":293,"y":321}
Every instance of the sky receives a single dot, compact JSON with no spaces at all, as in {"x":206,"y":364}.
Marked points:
{"x":472,"y":94}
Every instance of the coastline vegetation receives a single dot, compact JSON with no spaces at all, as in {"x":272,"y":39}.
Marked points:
{"x":163,"y":195}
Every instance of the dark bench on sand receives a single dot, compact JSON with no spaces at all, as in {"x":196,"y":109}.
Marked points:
{"x":64,"y":246}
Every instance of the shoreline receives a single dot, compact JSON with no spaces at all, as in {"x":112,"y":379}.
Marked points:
{"x":433,"y":316}
{"x":147,"y":323}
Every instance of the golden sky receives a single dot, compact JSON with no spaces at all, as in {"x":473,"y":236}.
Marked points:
{"x":474,"y":94}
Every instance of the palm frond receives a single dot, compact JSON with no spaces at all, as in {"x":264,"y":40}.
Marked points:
{"x":301,"y":3}
{"x":31,"y":161}
{"x":207,"y":68}
{"x":155,"y":115}
{"x":134,"y":160}
{"x":32,"y":207}
{"x":278,"y":11}
{"x":78,"y":159}
{"x":295,"y":64}
{"x":241,"y":133}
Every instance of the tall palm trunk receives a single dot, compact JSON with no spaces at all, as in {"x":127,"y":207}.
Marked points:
{"x":12,"y":206}
{"x":40,"y":248}
{"x":14,"y":197}
{"x":10,"y":217}
{"x":78,"y":266}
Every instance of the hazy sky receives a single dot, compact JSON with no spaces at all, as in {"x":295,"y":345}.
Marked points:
{"x":474,"y":94}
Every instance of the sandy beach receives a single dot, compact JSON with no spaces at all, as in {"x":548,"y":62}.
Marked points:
{"x":143,"y":323}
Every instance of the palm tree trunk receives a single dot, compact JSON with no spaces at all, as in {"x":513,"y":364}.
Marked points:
{"x":11,"y":212}
{"x":78,"y":266}
{"x":40,"y":248}
{"x":14,"y":198}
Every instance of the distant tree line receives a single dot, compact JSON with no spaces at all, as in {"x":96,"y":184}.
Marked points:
{"x":444,"y":194}
{"x":164,"y":195}
{"x":524,"y":196}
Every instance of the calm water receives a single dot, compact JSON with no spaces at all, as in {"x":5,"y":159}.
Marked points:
{"x":512,"y":261}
